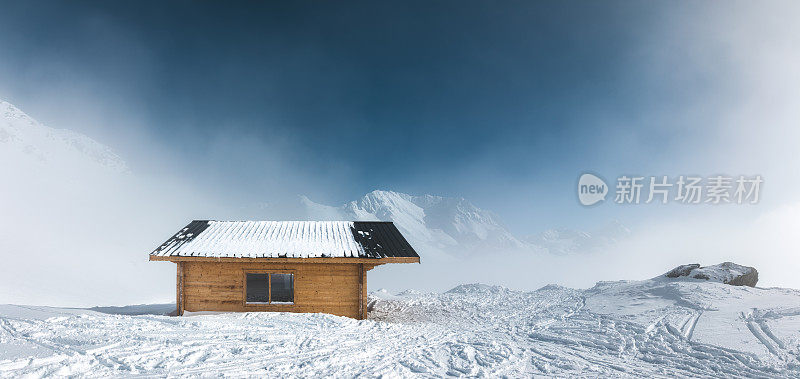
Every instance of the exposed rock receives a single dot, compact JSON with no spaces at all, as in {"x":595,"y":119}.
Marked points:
{"x":682,"y":270}
{"x":728,"y":273}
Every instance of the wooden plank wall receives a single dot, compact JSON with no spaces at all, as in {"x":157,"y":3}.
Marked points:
{"x":179,"y":289}
{"x":328,"y":288}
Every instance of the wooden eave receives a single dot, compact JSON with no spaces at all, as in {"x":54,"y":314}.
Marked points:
{"x":370,"y":261}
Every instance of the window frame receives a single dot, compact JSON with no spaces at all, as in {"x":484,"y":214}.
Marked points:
{"x":269,"y":303}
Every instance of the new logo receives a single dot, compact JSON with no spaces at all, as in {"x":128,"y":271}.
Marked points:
{"x":591,"y":189}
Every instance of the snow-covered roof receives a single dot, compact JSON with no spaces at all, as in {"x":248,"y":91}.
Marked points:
{"x":287,"y":239}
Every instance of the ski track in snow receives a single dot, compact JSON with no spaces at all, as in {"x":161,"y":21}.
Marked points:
{"x":473,"y":330}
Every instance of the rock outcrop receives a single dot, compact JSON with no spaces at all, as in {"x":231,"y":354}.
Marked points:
{"x":728,"y":273}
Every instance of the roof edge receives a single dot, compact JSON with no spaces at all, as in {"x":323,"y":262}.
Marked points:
{"x":287,"y":260}
{"x":385,"y":222}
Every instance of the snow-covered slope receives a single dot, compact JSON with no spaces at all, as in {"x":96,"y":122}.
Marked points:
{"x":23,"y":139}
{"x":652,"y":328}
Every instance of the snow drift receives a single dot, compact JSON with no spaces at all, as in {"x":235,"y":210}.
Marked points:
{"x":661,"y":327}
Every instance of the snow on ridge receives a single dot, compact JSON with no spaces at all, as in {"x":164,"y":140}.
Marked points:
{"x":723,"y":272}
{"x":552,"y":287}
{"x":32,"y":139}
{"x":726,"y":272}
{"x":477,"y":288}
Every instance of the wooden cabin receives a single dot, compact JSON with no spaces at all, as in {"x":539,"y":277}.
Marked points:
{"x":280,"y":266}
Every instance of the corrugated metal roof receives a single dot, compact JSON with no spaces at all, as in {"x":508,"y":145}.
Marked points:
{"x":381,"y":239}
{"x":287,"y":239}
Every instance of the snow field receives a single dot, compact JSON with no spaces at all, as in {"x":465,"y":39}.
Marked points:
{"x":653,"y":328}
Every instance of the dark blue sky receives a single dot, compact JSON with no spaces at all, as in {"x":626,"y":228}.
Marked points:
{"x":504,"y":103}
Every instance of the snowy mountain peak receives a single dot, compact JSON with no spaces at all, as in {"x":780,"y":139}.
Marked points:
{"x":453,"y":225}
{"x":386,"y":205}
{"x":24,"y":138}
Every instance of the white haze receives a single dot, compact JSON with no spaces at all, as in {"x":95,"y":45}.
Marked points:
{"x":76,"y":235}
{"x":77,"y":231}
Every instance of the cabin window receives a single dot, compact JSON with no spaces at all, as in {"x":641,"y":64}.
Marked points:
{"x":257,"y":288}
{"x":281,"y":288}
{"x":269,"y":288}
